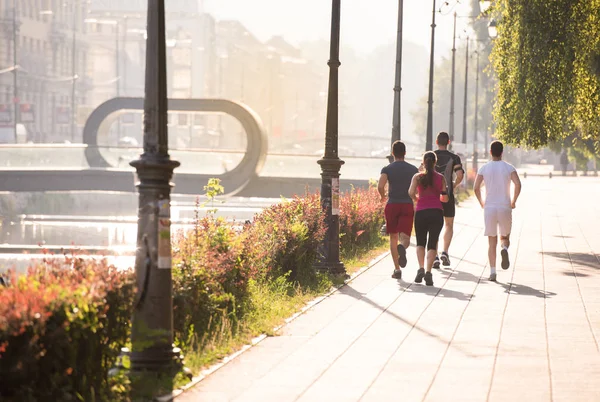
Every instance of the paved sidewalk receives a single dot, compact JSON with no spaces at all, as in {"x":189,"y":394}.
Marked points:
{"x":533,"y":336}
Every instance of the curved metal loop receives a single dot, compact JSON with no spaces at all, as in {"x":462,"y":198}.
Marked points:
{"x":234,"y":180}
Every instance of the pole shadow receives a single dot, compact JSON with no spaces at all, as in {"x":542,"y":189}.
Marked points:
{"x":350,"y":291}
{"x":587,"y":260}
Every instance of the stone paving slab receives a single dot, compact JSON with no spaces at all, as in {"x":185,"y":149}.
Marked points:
{"x":533,"y":336}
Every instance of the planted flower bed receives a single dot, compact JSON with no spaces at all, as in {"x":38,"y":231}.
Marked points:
{"x":63,"y":323}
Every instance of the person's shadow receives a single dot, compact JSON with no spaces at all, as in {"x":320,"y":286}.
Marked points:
{"x":524,"y":290}
{"x":435,"y":291}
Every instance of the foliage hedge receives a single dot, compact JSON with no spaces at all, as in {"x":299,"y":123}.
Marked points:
{"x":63,"y":323}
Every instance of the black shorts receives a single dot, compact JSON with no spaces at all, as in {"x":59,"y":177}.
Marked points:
{"x":449,"y":207}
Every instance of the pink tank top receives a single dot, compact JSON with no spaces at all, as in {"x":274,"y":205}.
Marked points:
{"x":429,"y":198}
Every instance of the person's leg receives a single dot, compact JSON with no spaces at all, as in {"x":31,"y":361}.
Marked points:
{"x":436,"y":223}
{"x":435,"y":228}
{"x":448,"y":234}
{"x":394,"y":249}
{"x":492,"y":245}
{"x":405,"y":227}
{"x":421,"y":235}
{"x":505,"y":227}
{"x":391,"y":221}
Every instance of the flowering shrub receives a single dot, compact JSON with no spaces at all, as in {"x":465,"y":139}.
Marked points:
{"x":284,"y":238}
{"x":361,"y":218}
{"x":209,"y":281}
{"x":61,"y":329}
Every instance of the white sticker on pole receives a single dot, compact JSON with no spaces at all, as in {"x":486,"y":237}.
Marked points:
{"x":335,"y":196}
{"x":164,"y":234}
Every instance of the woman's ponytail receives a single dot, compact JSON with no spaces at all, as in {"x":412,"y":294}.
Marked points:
{"x":429,"y":160}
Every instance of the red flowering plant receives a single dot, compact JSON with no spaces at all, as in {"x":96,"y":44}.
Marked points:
{"x":284,"y":239}
{"x":209,"y":281}
{"x":62,"y":325}
{"x":361,"y":218}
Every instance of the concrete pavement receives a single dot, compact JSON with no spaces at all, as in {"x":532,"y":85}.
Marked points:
{"x":533,"y":336}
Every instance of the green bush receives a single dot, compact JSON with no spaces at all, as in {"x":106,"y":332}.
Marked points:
{"x":61,"y":329}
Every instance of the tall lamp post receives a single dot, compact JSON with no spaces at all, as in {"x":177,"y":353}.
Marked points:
{"x":464,"y":128}
{"x":397,"y":117}
{"x":429,"y":140}
{"x":74,"y":70}
{"x":475,"y":134}
{"x":453,"y":81}
{"x":152,"y":321}
{"x":329,"y":258}
{"x":16,"y":102}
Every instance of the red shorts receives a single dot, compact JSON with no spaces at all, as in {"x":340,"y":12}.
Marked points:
{"x":399,"y":218}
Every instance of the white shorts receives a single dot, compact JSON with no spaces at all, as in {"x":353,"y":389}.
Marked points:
{"x":497,"y":219}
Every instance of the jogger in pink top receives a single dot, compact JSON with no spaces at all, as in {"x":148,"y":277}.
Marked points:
{"x":428,"y":190}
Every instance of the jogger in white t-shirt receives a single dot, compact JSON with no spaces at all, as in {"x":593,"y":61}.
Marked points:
{"x":497,"y":175}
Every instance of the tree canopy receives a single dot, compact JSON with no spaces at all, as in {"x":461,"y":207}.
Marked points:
{"x":547,"y":63}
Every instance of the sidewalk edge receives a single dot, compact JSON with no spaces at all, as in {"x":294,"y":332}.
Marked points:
{"x":255,"y":341}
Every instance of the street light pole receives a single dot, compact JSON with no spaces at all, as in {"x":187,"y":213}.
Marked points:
{"x":152,"y":321}
{"x":397,"y":117}
{"x":464,"y":128}
{"x":16,"y":102}
{"x":429,"y":140}
{"x":329,"y":258}
{"x":476,"y":114}
{"x":118,"y":74}
{"x":73,"y":71}
{"x":453,"y":81}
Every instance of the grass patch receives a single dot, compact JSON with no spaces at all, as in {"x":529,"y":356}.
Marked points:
{"x":272,"y":303}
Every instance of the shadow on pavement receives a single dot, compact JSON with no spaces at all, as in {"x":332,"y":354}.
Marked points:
{"x":461,"y":276}
{"x":439,"y":292}
{"x":586,"y":259}
{"x":524,"y":290}
{"x":350,"y":291}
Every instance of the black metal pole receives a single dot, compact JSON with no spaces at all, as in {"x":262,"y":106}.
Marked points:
{"x":330,"y":163}
{"x":452,"y":85}
{"x":16,"y":101}
{"x":429,"y":140}
{"x":152,"y":322}
{"x":475,"y":134}
{"x":464,"y":128}
{"x":73,"y":71}
{"x":397,"y":117}
{"x":118,"y":74}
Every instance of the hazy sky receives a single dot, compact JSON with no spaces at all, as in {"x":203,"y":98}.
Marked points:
{"x":366,"y":24}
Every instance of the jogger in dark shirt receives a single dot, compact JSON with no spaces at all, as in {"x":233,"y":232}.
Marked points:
{"x":399,"y":211}
{"x":448,"y":164}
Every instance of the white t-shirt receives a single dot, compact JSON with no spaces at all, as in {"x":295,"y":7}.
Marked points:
{"x":496,"y":177}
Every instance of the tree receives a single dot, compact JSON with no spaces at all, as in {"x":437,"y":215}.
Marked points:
{"x":547,"y":63}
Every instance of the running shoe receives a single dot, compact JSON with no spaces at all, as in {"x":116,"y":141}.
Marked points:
{"x":397,"y":274}
{"x":505,"y":263}
{"x":436,"y":262}
{"x":401,"y":256}
{"x":493,"y":277}
{"x":420,"y":275}
{"x":428,"y":279}
{"x":445,"y":259}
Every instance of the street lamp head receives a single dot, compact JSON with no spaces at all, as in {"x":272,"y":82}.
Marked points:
{"x":493,"y":29}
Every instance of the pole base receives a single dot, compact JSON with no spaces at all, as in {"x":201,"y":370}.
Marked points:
{"x":156,"y":359}
{"x":333,"y":268}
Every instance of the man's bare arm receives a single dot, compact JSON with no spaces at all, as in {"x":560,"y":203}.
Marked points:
{"x":460,"y":175}
{"x":383,"y":179}
{"x":514,"y":176}
{"x":477,"y":189}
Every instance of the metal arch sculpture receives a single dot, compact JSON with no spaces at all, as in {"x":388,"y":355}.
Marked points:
{"x":234,"y":180}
